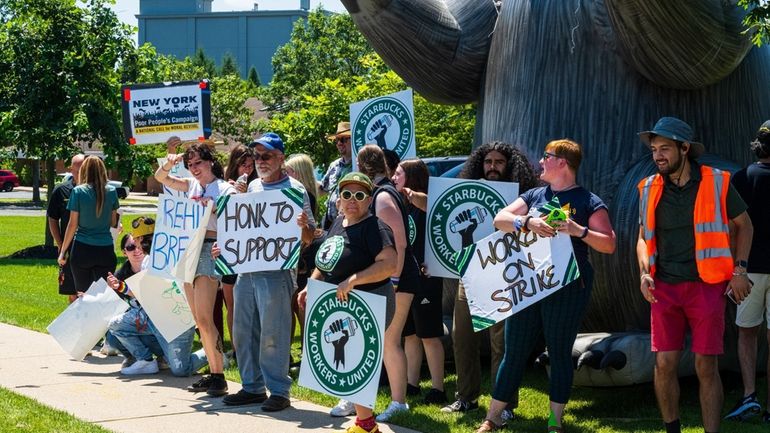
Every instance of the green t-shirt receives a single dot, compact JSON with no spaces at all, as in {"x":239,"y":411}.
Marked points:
{"x":93,"y":229}
{"x":675,"y":231}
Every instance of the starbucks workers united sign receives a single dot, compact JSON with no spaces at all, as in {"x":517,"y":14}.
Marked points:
{"x":387,"y":121}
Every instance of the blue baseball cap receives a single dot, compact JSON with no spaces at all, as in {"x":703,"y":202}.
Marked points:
{"x":270,"y":140}
{"x":677,"y":130}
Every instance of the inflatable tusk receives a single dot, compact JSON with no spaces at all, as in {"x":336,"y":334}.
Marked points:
{"x":592,"y":358}
{"x":615,"y":359}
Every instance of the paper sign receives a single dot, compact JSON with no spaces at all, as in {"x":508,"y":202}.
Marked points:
{"x":177,"y":170}
{"x":154,"y":112}
{"x":85,"y":321}
{"x":460,"y":212}
{"x":180,"y":227}
{"x":505,"y":273}
{"x":258,"y":231}
{"x":343,"y":343}
{"x":387,"y":121}
{"x":164,"y":302}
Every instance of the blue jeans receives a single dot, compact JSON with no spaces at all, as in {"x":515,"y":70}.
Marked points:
{"x":178,"y":352}
{"x":262,"y":330}
{"x":133,"y":334}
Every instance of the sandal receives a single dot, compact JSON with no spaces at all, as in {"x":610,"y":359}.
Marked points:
{"x":489,"y":425}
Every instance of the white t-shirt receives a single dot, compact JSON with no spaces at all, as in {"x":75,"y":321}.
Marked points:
{"x":212,"y":191}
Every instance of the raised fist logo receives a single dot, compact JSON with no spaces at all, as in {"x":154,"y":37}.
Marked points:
{"x":337,"y":335}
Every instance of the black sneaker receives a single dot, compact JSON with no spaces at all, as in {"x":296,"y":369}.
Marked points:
{"x":461,"y":406}
{"x":412,"y":390}
{"x":244,"y":397}
{"x":201,"y":385}
{"x":435,"y":396}
{"x":217,"y":386}
{"x":746,"y":408}
{"x":275,"y":403}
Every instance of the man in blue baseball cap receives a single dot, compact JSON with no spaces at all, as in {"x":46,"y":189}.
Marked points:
{"x":685,"y":263}
{"x":270,"y":141}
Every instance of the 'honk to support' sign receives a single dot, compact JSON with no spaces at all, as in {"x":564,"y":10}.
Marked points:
{"x":258,"y":231}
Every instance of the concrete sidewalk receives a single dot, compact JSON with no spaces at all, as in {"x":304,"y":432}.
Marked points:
{"x":32,"y":364}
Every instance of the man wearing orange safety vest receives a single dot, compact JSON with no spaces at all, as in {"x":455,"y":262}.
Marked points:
{"x":686,"y":263}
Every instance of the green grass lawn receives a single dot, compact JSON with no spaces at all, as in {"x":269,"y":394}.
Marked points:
{"x":28,"y":298}
{"x":22,"y":414}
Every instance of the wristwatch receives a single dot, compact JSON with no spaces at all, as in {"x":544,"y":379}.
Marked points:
{"x":742,"y":264}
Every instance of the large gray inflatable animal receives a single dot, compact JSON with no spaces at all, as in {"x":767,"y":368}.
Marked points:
{"x":596,"y":71}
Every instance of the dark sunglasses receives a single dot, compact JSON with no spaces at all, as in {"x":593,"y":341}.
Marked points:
{"x":148,"y":221}
{"x":547,"y":155}
{"x":358,"y":195}
{"x":130,"y":247}
{"x":267,"y":156}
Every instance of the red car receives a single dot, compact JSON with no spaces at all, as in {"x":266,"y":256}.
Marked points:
{"x":8,"y":180}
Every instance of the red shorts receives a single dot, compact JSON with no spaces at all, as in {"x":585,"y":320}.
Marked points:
{"x":699,"y":306}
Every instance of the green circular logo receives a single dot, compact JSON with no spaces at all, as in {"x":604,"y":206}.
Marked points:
{"x":412,"y":231}
{"x":329,"y":253}
{"x":455,"y":217}
{"x":386,"y":122}
{"x":342,"y":343}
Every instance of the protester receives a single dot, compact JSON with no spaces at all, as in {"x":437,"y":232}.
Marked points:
{"x":300,"y":167}
{"x":263,"y":300}
{"x":387,"y":204}
{"x":241,"y":163}
{"x":424,"y":325}
{"x":366,"y":262}
{"x":686,"y":264}
{"x":205,"y":186}
{"x":93,"y":207}
{"x":337,"y":169}
{"x":559,"y":315}
{"x":135,"y":331}
{"x":58,"y":218}
{"x":753,"y":184}
{"x":494,"y":161}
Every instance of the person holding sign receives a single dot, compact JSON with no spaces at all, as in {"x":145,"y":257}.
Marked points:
{"x":205,"y":185}
{"x":558,"y":316}
{"x":358,"y":252}
{"x":262,"y":320}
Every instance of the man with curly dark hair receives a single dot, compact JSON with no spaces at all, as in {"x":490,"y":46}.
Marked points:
{"x":494,"y":161}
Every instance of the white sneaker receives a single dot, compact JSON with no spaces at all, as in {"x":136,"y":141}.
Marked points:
{"x":128,"y":362}
{"x":141,"y":367}
{"x":108,"y":350}
{"x":343,"y":408}
{"x":393,"y":408}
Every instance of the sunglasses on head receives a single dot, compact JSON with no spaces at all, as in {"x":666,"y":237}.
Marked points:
{"x":148,"y":221}
{"x":358,"y":195}
{"x":267,"y":156}
{"x":130,"y":247}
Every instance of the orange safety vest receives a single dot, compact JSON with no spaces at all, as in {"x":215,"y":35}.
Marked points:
{"x":712,"y":234}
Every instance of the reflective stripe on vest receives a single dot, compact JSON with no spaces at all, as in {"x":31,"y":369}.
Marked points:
{"x":712,"y":237}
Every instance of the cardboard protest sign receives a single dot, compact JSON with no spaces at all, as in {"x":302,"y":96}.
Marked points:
{"x":164,"y":302}
{"x":460,"y":212}
{"x":180,"y":226}
{"x":387,"y":121}
{"x":258,"y":231}
{"x":84,"y":322}
{"x":343,"y":343}
{"x":154,"y":112}
{"x":177,"y":170}
{"x":505,"y":273}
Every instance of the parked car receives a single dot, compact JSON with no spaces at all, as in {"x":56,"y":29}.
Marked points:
{"x":8,"y":180}
{"x":454,"y":171}
{"x":439,"y":164}
{"x":118,"y":185}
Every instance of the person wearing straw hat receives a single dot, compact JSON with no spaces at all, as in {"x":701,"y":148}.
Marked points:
{"x":337,"y":170}
{"x":685,"y":263}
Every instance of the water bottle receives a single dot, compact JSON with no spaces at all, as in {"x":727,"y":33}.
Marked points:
{"x":478,"y":213}
{"x":241,"y":180}
{"x":348,"y":324}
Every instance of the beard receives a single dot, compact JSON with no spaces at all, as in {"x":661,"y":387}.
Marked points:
{"x":671,"y":166}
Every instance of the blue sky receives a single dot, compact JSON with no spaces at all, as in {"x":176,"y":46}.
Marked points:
{"x":126,"y":9}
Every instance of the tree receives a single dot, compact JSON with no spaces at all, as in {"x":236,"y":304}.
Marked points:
{"x":201,"y":60}
{"x":58,"y":77}
{"x":229,"y":66}
{"x":757,"y":19}
{"x":230,"y":118}
{"x":254,"y":77}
